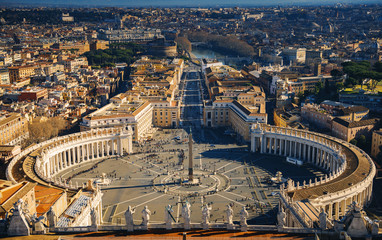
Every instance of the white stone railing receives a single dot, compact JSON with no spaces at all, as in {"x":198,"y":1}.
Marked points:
{"x":300,"y":216}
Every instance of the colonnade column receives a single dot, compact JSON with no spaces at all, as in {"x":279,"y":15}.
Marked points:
{"x":69,"y":157}
{"x":336,"y":210}
{"x":102,"y":149}
{"x":112,"y":147}
{"x":95,"y":150}
{"x":304,"y":152}
{"x":275,"y":145}
{"x":78,"y":154}
{"x":343,"y":207}
{"x":120,"y":147}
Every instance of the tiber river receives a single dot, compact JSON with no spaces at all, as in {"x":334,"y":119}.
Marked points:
{"x":206,"y":53}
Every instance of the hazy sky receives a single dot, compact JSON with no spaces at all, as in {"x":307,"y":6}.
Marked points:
{"x":188,"y":3}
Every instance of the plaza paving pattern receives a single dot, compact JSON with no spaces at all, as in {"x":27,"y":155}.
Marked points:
{"x":132,"y":178}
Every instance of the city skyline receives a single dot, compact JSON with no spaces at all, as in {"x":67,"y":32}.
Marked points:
{"x":183,"y":3}
{"x":161,"y":121}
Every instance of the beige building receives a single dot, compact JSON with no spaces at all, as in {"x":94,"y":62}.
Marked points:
{"x":376,"y":143}
{"x":322,"y":115}
{"x":231,"y":113}
{"x":138,"y":115}
{"x":149,"y":103}
{"x":166,"y":114}
{"x":11,"y":193}
{"x":20,"y":72}
{"x":349,"y":130}
{"x":13,"y":129}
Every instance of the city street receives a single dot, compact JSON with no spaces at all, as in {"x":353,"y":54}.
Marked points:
{"x":192,"y":106}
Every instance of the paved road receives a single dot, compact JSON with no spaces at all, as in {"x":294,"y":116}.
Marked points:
{"x":194,"y":91}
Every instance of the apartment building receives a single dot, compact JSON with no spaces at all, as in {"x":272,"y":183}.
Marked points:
{"x":122,"y":113}
{"x":376,"y":143}
{"x":233,"y":114}
{"x":349,"y":130}
{"x":322,"y":115}
{"x":13,"y":129}
{"x":19,"y":72}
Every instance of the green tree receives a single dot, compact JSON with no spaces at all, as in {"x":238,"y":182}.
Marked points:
{"x":358,"y":71}
{"x":184,"y":43}
{"x":378,"y":67}
{"x":335,"y":73}
{"x":339,"y":87}
{"x":318,"y":87}
{"x":353,"y":141}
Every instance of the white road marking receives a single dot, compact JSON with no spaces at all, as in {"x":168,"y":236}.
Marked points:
{"x":237,"y":195}
{"x":149,"y":200}
{"x":232,"y":161}
{"x":224,"y":166}
{"x":226,"y":198}
{"x":141,"y":166}
{"x":233,"y":169}
{"x":132,"y":199}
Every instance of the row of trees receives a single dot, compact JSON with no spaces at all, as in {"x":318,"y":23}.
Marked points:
{"x":226,"y":44}
{"x":44,"y":130}
{"x":118,"y":52}
{"x":183,"y":43}
{"x":359,"y":71}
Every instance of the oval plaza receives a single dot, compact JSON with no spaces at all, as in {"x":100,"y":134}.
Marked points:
{"x":303,"y":206}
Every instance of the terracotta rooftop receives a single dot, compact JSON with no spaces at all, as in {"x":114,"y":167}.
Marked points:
{"x":356,"y":123}
{"x":46,"y":197}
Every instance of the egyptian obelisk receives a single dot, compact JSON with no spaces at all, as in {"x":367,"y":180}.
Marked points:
{"x":190,"y":158}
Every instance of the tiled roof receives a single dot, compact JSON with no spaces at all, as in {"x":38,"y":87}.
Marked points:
{"x":356,"y":123}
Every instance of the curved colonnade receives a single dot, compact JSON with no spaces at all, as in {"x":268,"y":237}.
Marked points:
{"x":58,"y":154}
{"x":350,"y":171}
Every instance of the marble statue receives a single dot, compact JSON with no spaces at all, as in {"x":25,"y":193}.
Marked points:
{"x":167,"y":216}
{"x":323,"y":218}
{"x":229,"y":213}
{"x":52,"y":218}
{"x":38,"y":225}
{"x":375,"y":227}
{"x":18,"y":225}
{"x":93,"y":215}
{"x":146,"y":216}
{"x":186,"y":213}
{"x":243,"y":219}
{"x":281,"y":218}
{"x":206,"y":214}
{"x":94,"y":218}
{"x":129,"y":218}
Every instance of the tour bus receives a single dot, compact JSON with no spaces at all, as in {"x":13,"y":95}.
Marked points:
{"x":294,"y":161}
